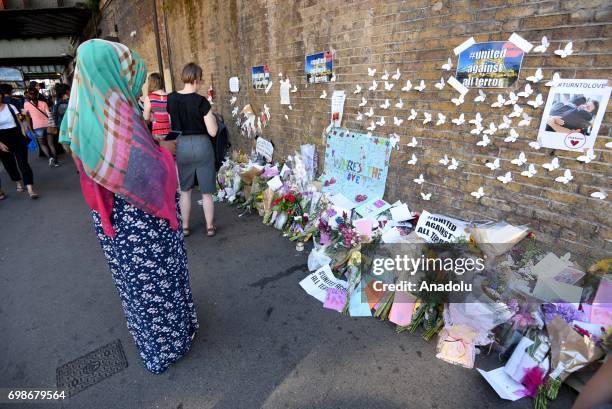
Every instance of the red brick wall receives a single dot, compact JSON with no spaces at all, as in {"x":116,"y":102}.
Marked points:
{"x":229,"y":37}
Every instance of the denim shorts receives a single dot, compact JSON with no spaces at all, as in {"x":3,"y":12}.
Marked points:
{"x":41,"y":132}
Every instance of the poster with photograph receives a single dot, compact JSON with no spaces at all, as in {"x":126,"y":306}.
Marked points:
{"x":260,"y":76}
{"x":356,"y":164}
{"x":493,"y":64}
{"x":337,"y":108}
{"x":573,"y":114}
{"x":319,"y":67}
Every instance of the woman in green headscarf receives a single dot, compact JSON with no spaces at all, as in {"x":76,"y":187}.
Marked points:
{"x":130,"y":184}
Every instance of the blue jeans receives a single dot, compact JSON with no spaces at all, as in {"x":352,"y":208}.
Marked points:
{"x":41,"y":132}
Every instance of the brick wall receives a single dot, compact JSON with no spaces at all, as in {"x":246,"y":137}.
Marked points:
{"x":229,"y":37}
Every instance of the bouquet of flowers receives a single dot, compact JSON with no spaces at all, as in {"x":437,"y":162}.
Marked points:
{"x":284,"y":207}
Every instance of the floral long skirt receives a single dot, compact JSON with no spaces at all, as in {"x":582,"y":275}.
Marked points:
{"x":148,"y":262}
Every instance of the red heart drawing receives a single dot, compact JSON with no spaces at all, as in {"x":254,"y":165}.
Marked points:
{"x":574,"y":143}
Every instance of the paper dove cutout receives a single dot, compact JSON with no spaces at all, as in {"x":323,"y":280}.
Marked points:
{"x":371,"y":72}
{"x":599,"y":195}
{"x":440,"y":84}
{"x":357,"y":89}
{"x":536,"y":77}
{"x":373,"y":86}
{"x":493,"y":165}
{"x":235,"y":111}
{"x":448,"y":65}
{"x":588,"y":157}
{"x":386,"y":104}
{"x":479,"y":193}
{"x":413,"y":161}
{"x":554,"y":164}
{"x":537,"y":102}
{"x":323,"y":95}
{"x":512,"y":137}
{"x":484,"y":142}
{"x":481,"y":96}
{"x":441,"y":119}
{"x":413,"y":115}
{"x":520,"y":161}
{"x":544,"y":44}
{"x":426,"y":196}
{"x":566,"y":178}
{"x":419,"y":180}
{"x":554,"y":80}
{"x":565,"y":52}
{"x":400,"y":104}
{"x":413,"y":143}
{"x":421,"y":86}
{"x":460,"y":120}
{"x":427,"y":116}
{"x":408,"y":86}
{"x":389,"y":86}
{"x":530,"y":172}
{"x":397,"y":75}
{"x":507,"y":178}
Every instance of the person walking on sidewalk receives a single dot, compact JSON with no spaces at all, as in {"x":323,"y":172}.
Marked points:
{"x":13,"y":145}
{"x":39,"y":113}
{"x":155,"y":108}
{"x":130,"y":184}
{"x":190,"y":114}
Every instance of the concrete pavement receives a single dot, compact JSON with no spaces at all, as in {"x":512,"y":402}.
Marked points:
{"x":263,"y":342}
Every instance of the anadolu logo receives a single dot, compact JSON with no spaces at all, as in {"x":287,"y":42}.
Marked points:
{"x":575,"y":140}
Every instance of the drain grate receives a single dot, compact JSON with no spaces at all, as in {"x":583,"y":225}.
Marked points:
{"x":91,"y":368}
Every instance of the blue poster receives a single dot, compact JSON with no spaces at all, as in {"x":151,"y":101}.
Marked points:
{"x":356,"y":164}
{"x":260,"y":76}
{"x":494,"y":64}
{"x":319,"y":67}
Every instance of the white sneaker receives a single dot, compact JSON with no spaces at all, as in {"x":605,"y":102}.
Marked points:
{"x":51,"y":162}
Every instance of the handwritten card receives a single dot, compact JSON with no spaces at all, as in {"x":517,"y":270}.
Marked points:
{"x":401,"y":212}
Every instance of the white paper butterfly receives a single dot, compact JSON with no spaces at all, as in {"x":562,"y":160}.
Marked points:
{"x":357,"y":89}
{"x":372,"y":126}
{"x":421,"y":86}
{"x":441,"y":119}
{"x":323,"y":95}
{"x":535,"y":145}
{"x":413,"y":143}
{"x":520,"y":161}
{"x":235,"y":111}
{"x":527,"y":92}
{"x":419,"y":180}
{"x":609,"y":145}
{"x":371,"y":72}
{"x":512,"y":137}
{"x":363,"y":102}
{"x":413,"y":115}
{"x":397,"y":121}
{"x":385,"y":76}
{"x":481,"y":96}
{"x":588,"y":157}
{"x":453,"y":165}
{"x":397,"y":75}
{"x":484,"y":142}
{"x":381,"y":121}
{"x":290,"y":107}
{"x":459,"y":121}
{"x":426,"y":196}
{"x":440,"y":84}
{"x":537,"y":102}
{"x":493,"y":165}
{"x":386,"y":104}
{"x":408,"y":86}
{"x":394,"y":139}
{"x":444,"y":161}
{"x":373,"y":86}
{"x":476,"y":131}
{"x":492,"y":129}
{"x":413,"y":161}
{"x":369,"y":113}
{"x":359,"y":116}
{"x":400,"y":104}
{"x":525,"y":121}
{"x":427,"y":116}
{"x":389,"y":86}
{"x":294,"y":89}
{"x":554,"y":164}
{"x":566,"y":178}
{"x":543,"y":46}
{"x":500,"y":101}
{"x":477,"y":119}
{"x":459,"y":100}
{"x":537,"y":77}
{"x":530,"y":172}
{"x":506,"y":122}
{"x":507,"y":178}
{"x":554,"y":80}
{"x":479,"y":193}
{"x":512,"y":99}
{"x":599,"y":195}
{"x":333,"y":77}
{"x":233,"y":100}
{"x":566,"y":51}
{"x":517,"y":110}
{"x":448,"y":65}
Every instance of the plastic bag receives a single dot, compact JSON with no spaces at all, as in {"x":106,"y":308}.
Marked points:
{"x":317,"y":259}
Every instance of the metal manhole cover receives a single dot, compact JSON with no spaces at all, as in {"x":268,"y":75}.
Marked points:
{"x":91,"y":368}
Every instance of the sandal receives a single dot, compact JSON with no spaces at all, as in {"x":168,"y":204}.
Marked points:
{"x":33,"y":195}
{"x":211,"y":231}
{"x":186,"y":231}
{"x":2,"y":195}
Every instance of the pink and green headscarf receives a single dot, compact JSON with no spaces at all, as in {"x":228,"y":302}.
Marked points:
{"x":106,"y":131}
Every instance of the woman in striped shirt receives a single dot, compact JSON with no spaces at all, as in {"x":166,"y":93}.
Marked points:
{"x":155,"y":107}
